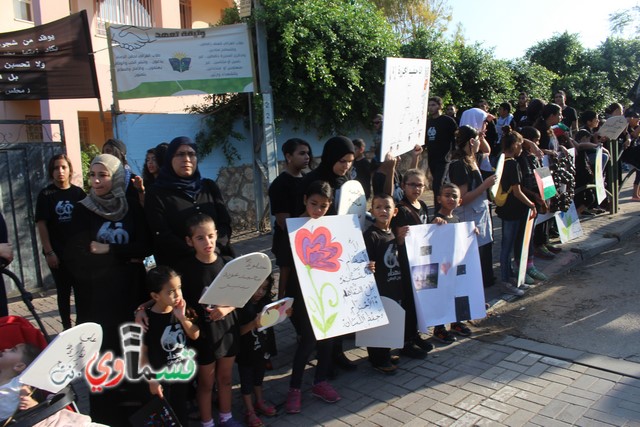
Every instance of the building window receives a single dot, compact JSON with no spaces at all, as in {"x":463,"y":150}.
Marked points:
{"x":22,"y":10}
{"x":127,"y":12}
{"x":83,"y":129}
{"x":185,"y":14}
{"x":34,"y":132}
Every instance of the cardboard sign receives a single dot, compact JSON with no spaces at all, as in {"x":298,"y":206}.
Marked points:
{"x":274,"y":313}
{"x":524,"y":253}
{"x":613,"y":127}
{"x":331,"y":261}
{"x":499,"y":169}
{"x":601,"y":192}
{"x":64,"y":359}
{"x":406,"y":94}
{"x":569,"y":226}
{"x":387,"y":336}
{"x":238,"y":281}
{"x":445,"y":272}
{"x":353,"y":201}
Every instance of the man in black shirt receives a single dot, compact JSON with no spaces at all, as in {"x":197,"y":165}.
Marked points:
{"x":441,"y":134}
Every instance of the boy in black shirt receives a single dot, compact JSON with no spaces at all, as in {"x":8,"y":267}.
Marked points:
{"x":382,"y":248}
{"x":449,"y":199}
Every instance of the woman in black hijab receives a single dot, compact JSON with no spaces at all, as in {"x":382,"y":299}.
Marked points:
{"x":338,"y":155}
{"x":179,"y":193}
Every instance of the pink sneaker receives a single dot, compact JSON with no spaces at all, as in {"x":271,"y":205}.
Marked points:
{"x":293,"y":401}
{"x":324,"y":391}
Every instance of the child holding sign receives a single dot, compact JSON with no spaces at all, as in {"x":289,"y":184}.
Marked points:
{"x":251,"y":357}
{"x":217,"y":345}
{"x":317,"y":201}
{"x":382,"y":248}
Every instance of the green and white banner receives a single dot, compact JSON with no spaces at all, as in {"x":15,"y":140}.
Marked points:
{"x":151,"y":62}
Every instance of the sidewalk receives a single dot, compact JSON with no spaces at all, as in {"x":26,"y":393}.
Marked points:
{"x":475,"y":381}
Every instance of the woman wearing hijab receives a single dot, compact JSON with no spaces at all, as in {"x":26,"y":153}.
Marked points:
{"x":105,"y":252}
{"x":108,"y":243}
{"x":179,"y":193}
{"x":338,"y":154}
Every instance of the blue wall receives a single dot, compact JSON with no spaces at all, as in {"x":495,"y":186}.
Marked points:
{"x":143,"y":131}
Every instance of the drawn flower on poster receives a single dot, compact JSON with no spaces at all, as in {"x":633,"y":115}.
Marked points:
{"x":317,"y":252}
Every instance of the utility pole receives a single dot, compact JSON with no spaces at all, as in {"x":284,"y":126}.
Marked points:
{"x":265,"y":150}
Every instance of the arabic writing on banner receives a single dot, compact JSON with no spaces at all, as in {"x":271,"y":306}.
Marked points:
{"x":64,"y":358}
{"x":339,"y":291}
{"x":150,"y":62}
{"x":445,"y":272}
{"x":406,"y":93}
{"x":50,"y":61}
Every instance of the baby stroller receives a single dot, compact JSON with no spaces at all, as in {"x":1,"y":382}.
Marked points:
{"x":15,"y":330}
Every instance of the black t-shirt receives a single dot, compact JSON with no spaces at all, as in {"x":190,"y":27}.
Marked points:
{"x":408,"y":215}
{"x":252,"y":344}
{"x":56,"y":206}
{"x":569,"y":115}
{"x":282,"y":198}
{"x":513,"y":209}
{"x":453,"y":219}
{"x":518,"y":116}
{"x":165,"y":340}
{"x":441,"y":134}
{"x":361,"y":171}
{"x":383,"y":250}
{"x":461,"y":174}
{"x":196,"y":276}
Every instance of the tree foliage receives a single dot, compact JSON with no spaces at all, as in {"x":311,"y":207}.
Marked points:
{"x":625,"y":21}
{"x":562,"y":54}
{"x":409,"y":17}
{"x":327,"y":60}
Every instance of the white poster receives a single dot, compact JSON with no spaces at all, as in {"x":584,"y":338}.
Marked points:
{"x":150,"y":62}
{"x":353,"y":201}
{"x":331,"y":260}
{"x":406,"y":95}
{"x":445,"y":273}
{"x":499,"y":168}
{"x":64,"y":359}
{"x":613,"y":127}
{"x":601,"y":192}
{"x":390,"y":335}
{"x":239,"y":279}
{"x":569,"y":224}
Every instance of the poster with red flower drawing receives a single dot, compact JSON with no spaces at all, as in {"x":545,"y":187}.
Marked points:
{"x":339,"y":291}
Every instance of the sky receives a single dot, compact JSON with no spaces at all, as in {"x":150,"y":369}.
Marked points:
{"x":513,"y":27}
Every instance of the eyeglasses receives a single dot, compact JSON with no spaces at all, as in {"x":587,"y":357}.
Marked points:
{"x":184,"y":154}
{"x":415,"y":185}
{"x":377,"y":122}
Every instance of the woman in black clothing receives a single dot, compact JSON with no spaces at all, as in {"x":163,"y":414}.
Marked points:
{"x":54,"y":213}
{"x":179,"y":193}
{"x":105,"y":253}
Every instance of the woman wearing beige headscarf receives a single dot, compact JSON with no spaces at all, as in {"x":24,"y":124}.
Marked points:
{"x":109,"y":242}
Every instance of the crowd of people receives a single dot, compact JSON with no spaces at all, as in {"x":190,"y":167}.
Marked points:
{"x":95,"y":243}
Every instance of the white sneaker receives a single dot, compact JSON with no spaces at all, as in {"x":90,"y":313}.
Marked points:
{"x":511,"y":290}
{"x":524,"y":286}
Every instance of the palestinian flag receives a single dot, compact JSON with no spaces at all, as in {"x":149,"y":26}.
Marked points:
{"x":545,"y":183}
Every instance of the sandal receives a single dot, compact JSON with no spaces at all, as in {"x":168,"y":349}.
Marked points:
{"x":252,"y":420}
{"x":265,"y":408}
